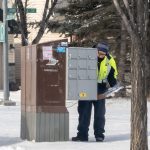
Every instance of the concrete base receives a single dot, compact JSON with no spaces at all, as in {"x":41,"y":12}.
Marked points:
{"x":44,"y":127}
{"x":8,"y":103}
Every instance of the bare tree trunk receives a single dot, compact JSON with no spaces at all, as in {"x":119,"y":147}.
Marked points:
{"x":136,"y":26}
{"x":138,"y":69}
{"x":138,"y":100}
{"x":122,"y":58}
{"x":22,"y":19}
{"x":148,"y":62}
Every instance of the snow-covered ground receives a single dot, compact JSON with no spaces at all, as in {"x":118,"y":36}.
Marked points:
{"x":117,"y":128}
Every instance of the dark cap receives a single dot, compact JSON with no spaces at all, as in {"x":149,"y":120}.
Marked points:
{"x":103,"y":47}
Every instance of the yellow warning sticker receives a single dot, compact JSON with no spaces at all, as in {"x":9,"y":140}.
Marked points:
{"x":83,"y":94}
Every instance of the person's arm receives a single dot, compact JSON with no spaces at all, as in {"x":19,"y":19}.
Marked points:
{"x":112,"y":82}
{"x":111,"y":77}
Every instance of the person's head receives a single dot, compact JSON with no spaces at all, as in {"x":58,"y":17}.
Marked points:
{"x":103,"y":49}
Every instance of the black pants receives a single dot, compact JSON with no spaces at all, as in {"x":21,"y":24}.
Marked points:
{"x":84,"y":110}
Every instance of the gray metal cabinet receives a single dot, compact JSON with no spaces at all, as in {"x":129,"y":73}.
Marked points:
{"x":81,"y":73}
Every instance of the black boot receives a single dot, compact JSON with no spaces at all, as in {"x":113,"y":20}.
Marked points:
{"x":78,"y":138}
{"x":99,"y":139}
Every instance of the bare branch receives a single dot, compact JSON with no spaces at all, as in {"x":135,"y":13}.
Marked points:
{"x":20,"y":19}
{"x":45,"y":11}
{"x":51,"y":10}
{"x":127,"y":23}
{"x":26,"y":3}
{"x":129,"y":11}
{"x":45,"y":20}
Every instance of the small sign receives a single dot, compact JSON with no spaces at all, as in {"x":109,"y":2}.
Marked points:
{"x":47,"y":52}
{"x":61,"y":49}
{"x":31,"y":10}
{"x":28,"y":10}
{"x":2,"y":32}
{"x":11,"y":10}
{"x":10,"y":17}
{"x":65,"y":44}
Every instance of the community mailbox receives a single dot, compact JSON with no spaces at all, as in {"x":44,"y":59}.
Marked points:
{"x":44,"y":116}
{"x":81,"y":76}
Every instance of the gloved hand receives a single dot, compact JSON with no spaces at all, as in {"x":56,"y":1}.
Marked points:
{"x":110,"y":92}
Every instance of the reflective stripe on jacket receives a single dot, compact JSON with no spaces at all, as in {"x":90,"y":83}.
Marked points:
{"x":105,"y":67}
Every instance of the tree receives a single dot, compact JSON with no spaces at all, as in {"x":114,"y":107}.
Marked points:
{"x":22,"y":19}
{"x":135,"y":17}
{"x":148,"y":60}
{"x":90,"y":21}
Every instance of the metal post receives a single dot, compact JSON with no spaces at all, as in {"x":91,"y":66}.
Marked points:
{"x":5,"y":54}
{"x":6,"y":100}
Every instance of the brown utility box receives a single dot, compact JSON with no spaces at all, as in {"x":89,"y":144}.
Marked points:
{"x":44,"y":116}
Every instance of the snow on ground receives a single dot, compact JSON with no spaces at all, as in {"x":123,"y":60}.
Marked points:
{"x":117,"y":128}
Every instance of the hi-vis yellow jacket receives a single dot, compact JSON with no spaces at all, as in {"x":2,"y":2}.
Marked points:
{"x":105,"y":67}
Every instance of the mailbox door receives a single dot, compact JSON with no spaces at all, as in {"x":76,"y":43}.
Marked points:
{"x":51,"y":76}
